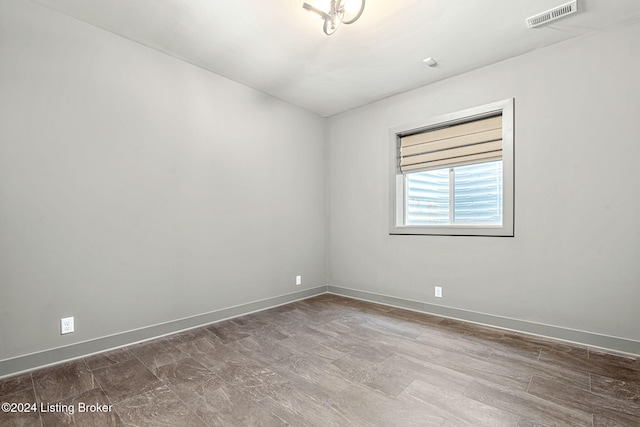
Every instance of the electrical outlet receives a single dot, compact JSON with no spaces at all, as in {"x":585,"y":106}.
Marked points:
{"x":439,"y":291}
{"x":66,"y":325}
{"x":298,"y":280}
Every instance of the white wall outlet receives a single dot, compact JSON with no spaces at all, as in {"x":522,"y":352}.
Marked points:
{"x":439,"y":291}
{"x":66,"y":325}
{"x":298,"y":280}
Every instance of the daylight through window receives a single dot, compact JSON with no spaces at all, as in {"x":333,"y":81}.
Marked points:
{"x":454,"y":175}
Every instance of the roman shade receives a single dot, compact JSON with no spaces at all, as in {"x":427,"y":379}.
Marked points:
{"x":467,"y":143}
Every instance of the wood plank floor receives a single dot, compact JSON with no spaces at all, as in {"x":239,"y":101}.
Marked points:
{"x":333,"y":361}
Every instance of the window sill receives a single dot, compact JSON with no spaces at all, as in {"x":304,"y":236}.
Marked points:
{"x":454,"y":230}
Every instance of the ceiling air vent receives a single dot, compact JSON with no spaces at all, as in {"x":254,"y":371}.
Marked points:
{"x":552,"y":14}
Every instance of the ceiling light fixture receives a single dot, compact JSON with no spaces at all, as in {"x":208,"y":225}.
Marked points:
{"x":340,"y":12}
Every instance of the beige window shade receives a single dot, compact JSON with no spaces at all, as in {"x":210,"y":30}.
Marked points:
{"x":472,"y":142}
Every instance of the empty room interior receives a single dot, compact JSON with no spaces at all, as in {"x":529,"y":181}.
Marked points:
{"x":339,"y":213}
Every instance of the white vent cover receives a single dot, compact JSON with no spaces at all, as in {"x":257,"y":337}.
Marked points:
{"x":552,"y":14}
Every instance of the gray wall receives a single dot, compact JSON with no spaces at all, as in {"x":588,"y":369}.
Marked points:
{"x":574,"y":260}
{"x":137,"y":189}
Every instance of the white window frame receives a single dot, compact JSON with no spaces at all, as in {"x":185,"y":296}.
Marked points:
{"x":397,"y":194}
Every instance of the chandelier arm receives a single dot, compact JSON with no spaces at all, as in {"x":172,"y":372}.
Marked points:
{"x":317,"y":11}
{"x":355,"y":18}
{"x":328,"y":28}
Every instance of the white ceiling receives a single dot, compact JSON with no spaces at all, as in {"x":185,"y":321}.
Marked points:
{"x":277,"y":47}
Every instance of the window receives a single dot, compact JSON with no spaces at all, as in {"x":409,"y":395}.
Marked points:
{"x":457,"y":195}
{"x":453,"y":175}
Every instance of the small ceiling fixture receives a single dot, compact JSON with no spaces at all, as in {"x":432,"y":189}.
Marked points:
{"x":339,"y":12}
{"x":430,"y":62}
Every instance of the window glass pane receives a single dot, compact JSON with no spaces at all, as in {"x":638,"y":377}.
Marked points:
{"x":427,"y":197}
{"x":478,"y":193}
